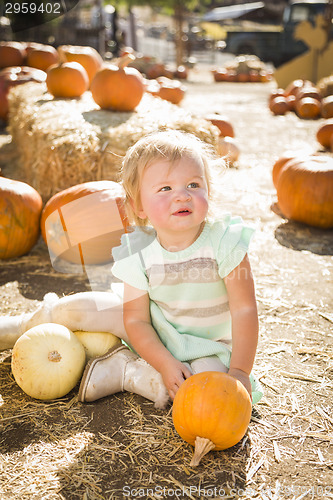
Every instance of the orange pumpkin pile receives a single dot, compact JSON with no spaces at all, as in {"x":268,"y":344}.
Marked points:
{"x":243,"y":69}
{"x":303,"y":98}
{"x":304,"y":186}
{"x":211,"y":411}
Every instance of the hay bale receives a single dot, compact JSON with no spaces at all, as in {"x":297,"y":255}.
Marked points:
{"x":63,"y":142}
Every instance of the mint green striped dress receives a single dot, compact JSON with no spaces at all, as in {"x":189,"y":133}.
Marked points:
{"x":188,"y":299}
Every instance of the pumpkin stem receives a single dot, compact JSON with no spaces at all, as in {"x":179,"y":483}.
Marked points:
{"x":54,"y":356}
{"x":62,"y":55}
{"x":125,"y":60}
{"x":201,"y":447}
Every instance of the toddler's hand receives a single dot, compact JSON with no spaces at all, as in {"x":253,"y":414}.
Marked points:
{"x":173,"y":375}
{"x":243,"y":378}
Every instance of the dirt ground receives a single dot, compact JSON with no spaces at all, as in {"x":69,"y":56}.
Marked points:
{"x":121,"y":446}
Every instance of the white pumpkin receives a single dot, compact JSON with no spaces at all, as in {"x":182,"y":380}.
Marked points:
{"x":48,"y":361}
{"x":97,"y":343}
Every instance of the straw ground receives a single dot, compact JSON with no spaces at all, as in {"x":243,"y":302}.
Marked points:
{"x":122,"y":447}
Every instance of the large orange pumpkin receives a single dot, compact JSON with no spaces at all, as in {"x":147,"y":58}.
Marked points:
{"x":20,"y":209}
{"x":87,"y":56}
{"x":16,"y":75}
{"x":287,"y":156}
{"x":118,"y":88}
{"x":42,"y":57}
{"x":211,"y":411}
{"x":83,"y":223}
{"x":67,"y":80}
{"x":305,"y":191}
{"x":11,"y":54}
{"x":325,"y":133}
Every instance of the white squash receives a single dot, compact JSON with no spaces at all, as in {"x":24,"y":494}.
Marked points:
{"x":48,"y":361}
{"x":97,"y":343}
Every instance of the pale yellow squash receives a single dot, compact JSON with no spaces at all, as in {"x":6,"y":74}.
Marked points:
{"x":48,"y":361}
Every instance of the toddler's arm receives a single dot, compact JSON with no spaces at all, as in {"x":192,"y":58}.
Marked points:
{"x":244,"y":317}
{"x":146,"y":342}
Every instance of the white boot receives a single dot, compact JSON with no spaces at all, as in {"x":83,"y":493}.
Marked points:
{"x":87,"y":311}
{"x":12,"y":327}
{"x":122,"y":370}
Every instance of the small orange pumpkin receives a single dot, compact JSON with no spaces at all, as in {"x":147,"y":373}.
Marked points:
{"x":118,"y":87}
{"x":20,"y":209}
{"x":220,"y":74}
{"x":305,"y":191}
{"x":325,"y":133}
{"x":87,"y":56}
{"x":42,"y":57}
{"x":222,"y":123}
{"x":279,"y":105}
{"x":170,"y":90}
{"x":83,"y":223}
{"x":67,"y":80}
{"x":11,"y":54}
{"x":327,"y":107}
{"x":295,"y":86}
{"x":308,"y":91}
{"x":211,"y":411}
{"x":307,"y":108}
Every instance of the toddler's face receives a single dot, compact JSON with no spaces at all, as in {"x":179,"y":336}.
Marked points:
{"x":174,"y":197}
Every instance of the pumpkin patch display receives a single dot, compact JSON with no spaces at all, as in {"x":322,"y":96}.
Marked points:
{"x":244,"y":68}
{"x":305,"y":190}
{"x":20,"y":209}
{"x":211,"y":411}
{"x":83,"y":223}
{"x":67,"y":80}
{"x":48,"y":361}
{"x":118,"y":87}
{"x":16,"y":75}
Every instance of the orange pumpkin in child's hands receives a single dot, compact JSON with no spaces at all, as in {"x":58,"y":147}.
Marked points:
{"x":211,"y":411}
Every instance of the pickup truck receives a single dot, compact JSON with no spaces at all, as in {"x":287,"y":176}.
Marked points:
{"x":276,"y":44}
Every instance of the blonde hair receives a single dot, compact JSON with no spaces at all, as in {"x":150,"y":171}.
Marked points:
{"x":170,"y":145}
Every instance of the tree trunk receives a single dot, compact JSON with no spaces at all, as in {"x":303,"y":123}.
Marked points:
{"x":179,"y":21}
